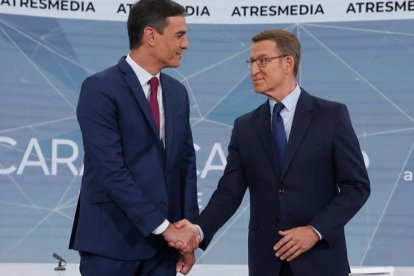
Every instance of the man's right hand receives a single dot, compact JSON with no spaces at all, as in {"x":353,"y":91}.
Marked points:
{"x":185,"y":237}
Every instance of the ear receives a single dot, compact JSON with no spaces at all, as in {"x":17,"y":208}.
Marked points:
{"x":289,"y":65}
{"x":149,"y":36}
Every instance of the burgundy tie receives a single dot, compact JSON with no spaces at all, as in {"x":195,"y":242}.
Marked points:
{"x":154,"y":102}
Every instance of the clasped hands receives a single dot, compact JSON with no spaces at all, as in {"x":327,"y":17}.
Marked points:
{"x":184,"y":237}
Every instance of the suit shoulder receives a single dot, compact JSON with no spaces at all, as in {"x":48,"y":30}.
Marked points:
{"x":174,"y":87}
{"x":329,"y":110}
{"x":246,"y":116}
{"x":171,"y":81}
{"x":327,"y":104}
{"x":106,"y":81}
{"x":105,"y":75}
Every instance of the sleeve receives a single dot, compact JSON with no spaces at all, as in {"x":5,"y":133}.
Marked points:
{"x":188,"y":171}
{"x":351,"y":180}
{"x":228,"y":195}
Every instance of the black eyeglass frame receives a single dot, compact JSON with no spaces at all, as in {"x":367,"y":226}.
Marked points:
{"x":262,"y":61}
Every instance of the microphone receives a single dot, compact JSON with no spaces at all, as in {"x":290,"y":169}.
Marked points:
{"x":62,"y":262}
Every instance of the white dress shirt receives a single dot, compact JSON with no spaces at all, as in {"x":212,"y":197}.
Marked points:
{"x":143,"y":78}
{"x":287,"y":113}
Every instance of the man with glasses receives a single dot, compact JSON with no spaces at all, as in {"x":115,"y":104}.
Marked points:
{"x":300,"y":159}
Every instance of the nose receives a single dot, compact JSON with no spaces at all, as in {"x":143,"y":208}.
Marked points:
{"x":254,"y":68}
{"x":185,"y":43}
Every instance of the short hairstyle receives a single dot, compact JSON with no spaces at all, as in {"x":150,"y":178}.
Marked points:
{"x":286,"y":42}
{"x":150,"y":13}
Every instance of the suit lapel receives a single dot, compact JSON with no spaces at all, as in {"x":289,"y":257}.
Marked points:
{"x":301,"y":121}
{"x":265,"y":134}
{"x":133,"y":83}
{"x":168,"y":101}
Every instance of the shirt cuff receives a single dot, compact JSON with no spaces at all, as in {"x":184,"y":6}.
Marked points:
{"x":317,"y":232}
{"x":200,"y":231}
{"x":160,"y":229}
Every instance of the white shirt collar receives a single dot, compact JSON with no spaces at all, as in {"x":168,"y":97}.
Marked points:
{"x":142,"y":74}
{"x":289,"y":101}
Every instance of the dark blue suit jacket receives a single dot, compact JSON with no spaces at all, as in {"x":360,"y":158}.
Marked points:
{"x":131,"y":183}
{"x":323,"y":183}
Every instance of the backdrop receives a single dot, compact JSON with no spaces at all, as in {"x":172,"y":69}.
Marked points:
{"x":350,"y":54}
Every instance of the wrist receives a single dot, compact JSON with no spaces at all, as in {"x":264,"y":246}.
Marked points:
{"x":316,"y":233}
{"x":161,"y":228}
{"x":167,"y":230}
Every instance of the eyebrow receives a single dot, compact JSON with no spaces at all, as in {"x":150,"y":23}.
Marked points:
{"x":261,"y":56}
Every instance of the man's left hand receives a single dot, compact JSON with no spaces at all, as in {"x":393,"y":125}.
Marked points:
{"x":294,"y":242}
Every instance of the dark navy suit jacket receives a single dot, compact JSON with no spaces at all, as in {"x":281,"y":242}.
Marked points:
{"x":131,"y":183}
{"x":323,"y":183}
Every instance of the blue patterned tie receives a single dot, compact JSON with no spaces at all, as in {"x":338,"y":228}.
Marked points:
{"x":279,"y":135}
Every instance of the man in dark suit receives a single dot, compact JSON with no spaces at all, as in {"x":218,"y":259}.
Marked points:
{"x":300,"y":159}
{"x":140,"y":174}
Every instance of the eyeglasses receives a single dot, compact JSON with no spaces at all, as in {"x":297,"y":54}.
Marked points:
{"x":262,"y":61}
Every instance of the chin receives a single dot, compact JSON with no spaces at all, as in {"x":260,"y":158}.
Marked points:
{"x":258,"y":89}
{"x":175,"y":64}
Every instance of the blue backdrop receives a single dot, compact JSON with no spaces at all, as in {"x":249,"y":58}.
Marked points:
{"x":366,"y":65}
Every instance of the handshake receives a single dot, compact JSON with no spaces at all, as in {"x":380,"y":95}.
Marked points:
{"x":183,"y":236}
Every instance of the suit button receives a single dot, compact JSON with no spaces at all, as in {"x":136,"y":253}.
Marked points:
{"x":163,"y":204}
{"x":281,"y":191}
{"x":166,"y":174}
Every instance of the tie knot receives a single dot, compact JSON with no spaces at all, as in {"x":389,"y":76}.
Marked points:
{"x":278,"y":107}
{"x":154,"y":84}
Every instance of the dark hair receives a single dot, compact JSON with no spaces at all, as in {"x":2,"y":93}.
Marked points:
{"x":286,"y":42}
{"x":150,"y":13}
